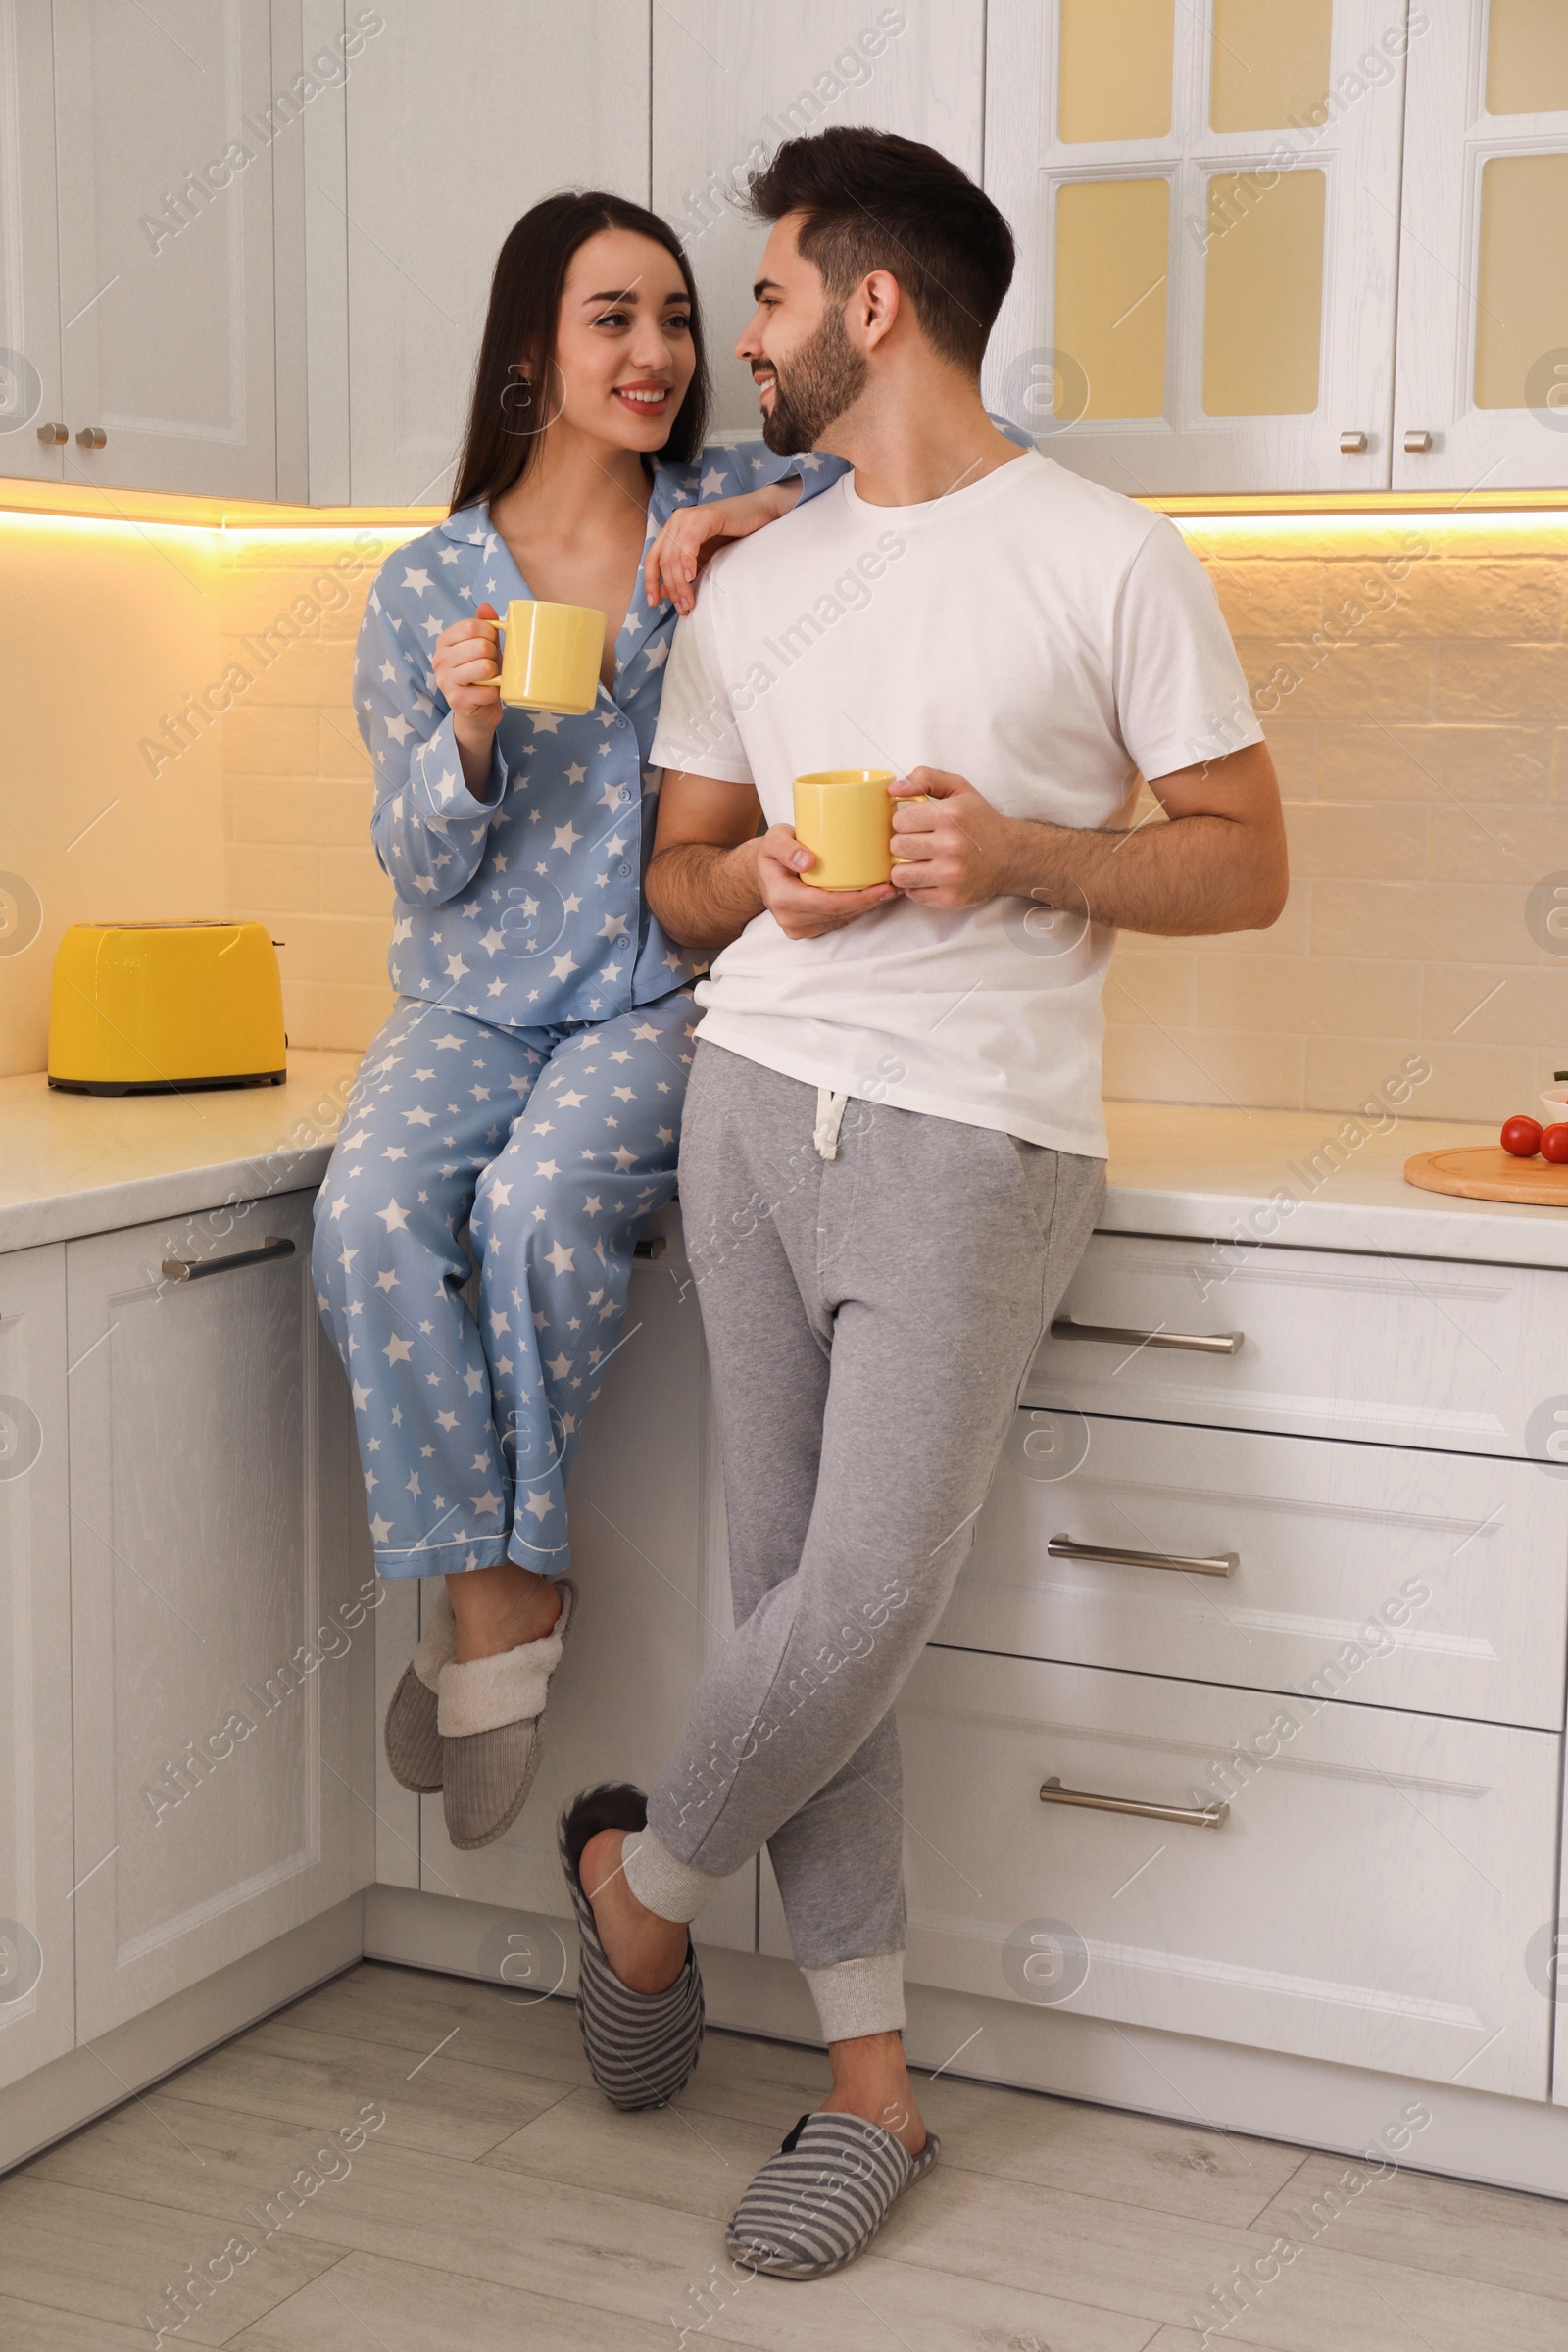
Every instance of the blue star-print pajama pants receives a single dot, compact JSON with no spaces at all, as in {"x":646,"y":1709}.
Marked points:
{"x":552,"y":1145}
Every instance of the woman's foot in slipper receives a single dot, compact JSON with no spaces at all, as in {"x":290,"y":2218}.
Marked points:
{"x":491,"y":1717}
{"x":413,"y":1731}
{"x":496,"y":1610}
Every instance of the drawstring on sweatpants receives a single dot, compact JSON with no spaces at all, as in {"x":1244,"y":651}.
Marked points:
{"x":829,"y":1119}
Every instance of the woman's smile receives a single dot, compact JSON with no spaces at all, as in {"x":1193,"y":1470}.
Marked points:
{"x":647,"y":399}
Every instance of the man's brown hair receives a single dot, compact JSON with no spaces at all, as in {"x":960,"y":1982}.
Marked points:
{"x":873,"y":201}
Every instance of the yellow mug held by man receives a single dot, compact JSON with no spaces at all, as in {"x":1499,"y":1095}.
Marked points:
{"x":844,"y":816}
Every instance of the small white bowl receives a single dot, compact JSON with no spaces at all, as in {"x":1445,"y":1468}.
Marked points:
{"x":1556,"y":1103}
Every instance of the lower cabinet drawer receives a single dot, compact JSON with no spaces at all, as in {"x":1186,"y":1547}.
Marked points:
{"x":1370,"y":1897}
{"x":1375,"y":1574}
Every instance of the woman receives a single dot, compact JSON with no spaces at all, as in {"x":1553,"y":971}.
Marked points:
{"x":528,"y":1082}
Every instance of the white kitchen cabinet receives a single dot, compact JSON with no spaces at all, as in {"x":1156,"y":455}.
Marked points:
{"x":1205,"y":202}
{"x":223,"y":1761}
{"x":1481,"y":397}
{"x":649,"y":1607}
{"x":1368,"y":1897}
{"x":37,"y":1996}
{"x":164,"y":146}
{"x":30,"y":269}
{"x":457,"y":123}
{"x":730,"y":84}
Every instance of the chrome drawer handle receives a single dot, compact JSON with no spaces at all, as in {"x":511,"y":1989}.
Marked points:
{"x":1066,"y":1547}
{"x":1198,"y":1817}
{"x":188,"y":1269}
{"x":1200,"y":1343}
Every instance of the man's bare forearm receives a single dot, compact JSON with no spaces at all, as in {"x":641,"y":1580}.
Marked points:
{"x":1184,"y":877}
{"x":703,"y":897}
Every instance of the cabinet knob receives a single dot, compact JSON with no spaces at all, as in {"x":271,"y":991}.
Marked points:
{"x":91,"y":436}
{"x":1351,"y":445}
{"x":52,"y":435}
{"x":1416,"y":445}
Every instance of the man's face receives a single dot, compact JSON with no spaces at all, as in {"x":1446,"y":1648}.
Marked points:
{"x":805,"y":367}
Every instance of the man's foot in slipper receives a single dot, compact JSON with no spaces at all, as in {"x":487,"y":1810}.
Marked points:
{"x":646,"y":1952}
{"x":871,"y":2079}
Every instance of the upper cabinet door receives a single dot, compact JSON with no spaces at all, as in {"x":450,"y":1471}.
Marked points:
{"x":1483,"y":378}
{"x":164,"y":128}
{"x":731,"y":83}
{"x":30,"y":278}
{"x":1205,"y":197}
{"x":459,"y":120}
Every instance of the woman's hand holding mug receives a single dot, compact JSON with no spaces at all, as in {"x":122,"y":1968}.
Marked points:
{"x":466,"y":660}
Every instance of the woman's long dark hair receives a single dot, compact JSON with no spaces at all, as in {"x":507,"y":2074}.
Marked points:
{"x":521,"y":326}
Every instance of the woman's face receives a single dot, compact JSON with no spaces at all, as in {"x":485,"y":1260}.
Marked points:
{"x":624,"y":342}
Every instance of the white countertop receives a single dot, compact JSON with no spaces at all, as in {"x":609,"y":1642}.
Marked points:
{"x":71,"y":1165}
{"x":86,"y":1163}
{"x":1182,"y":1170}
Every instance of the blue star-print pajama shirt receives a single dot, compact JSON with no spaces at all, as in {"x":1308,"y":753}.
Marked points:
{"x":528,"y":1082}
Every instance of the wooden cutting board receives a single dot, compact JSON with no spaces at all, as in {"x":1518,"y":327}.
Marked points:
{"x":1487,"y":1172}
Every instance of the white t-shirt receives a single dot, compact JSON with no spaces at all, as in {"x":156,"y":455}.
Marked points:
{"x":1035,"y":633}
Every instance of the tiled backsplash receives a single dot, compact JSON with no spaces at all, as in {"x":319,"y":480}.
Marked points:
{"x":1412,"y":677}
{"x":297,"y":792}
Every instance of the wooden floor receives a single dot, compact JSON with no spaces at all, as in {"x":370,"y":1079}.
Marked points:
{"x":502,"y":2204}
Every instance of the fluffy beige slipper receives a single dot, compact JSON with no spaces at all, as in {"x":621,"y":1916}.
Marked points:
{"x":492,"y":1723}
{"x":413,"y":1740}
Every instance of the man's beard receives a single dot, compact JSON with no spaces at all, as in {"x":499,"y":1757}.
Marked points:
{"x":825,"y":376}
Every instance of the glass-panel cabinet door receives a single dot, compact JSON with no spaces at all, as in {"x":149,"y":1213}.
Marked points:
{"x":1481,"y":397}
{"x":1205,"y":198}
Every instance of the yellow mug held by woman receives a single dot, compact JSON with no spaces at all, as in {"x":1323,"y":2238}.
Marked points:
{"x":550,"y":661}
{"x":845,"y":817}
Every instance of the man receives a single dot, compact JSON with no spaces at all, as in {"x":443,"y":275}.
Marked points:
{"x":894,"y":1148}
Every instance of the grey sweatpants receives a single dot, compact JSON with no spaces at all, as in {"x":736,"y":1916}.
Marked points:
{"x":869,"y":1319}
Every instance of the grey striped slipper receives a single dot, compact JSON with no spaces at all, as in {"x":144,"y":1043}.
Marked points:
{"x":820,"y":2201}
{"x":491,"y":1715}
{"x":642,"y":2047}
{"x":413,"y":1737}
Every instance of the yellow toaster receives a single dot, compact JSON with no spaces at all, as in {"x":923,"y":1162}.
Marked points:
{"x":148,"y":1008}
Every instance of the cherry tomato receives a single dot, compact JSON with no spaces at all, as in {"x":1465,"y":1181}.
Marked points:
{"x":1521,"y":1136}
{"x":1554,"y":1142}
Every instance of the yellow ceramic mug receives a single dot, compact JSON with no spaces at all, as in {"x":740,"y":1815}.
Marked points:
{"x":551,"y":658}
{"x":845,"y":815}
